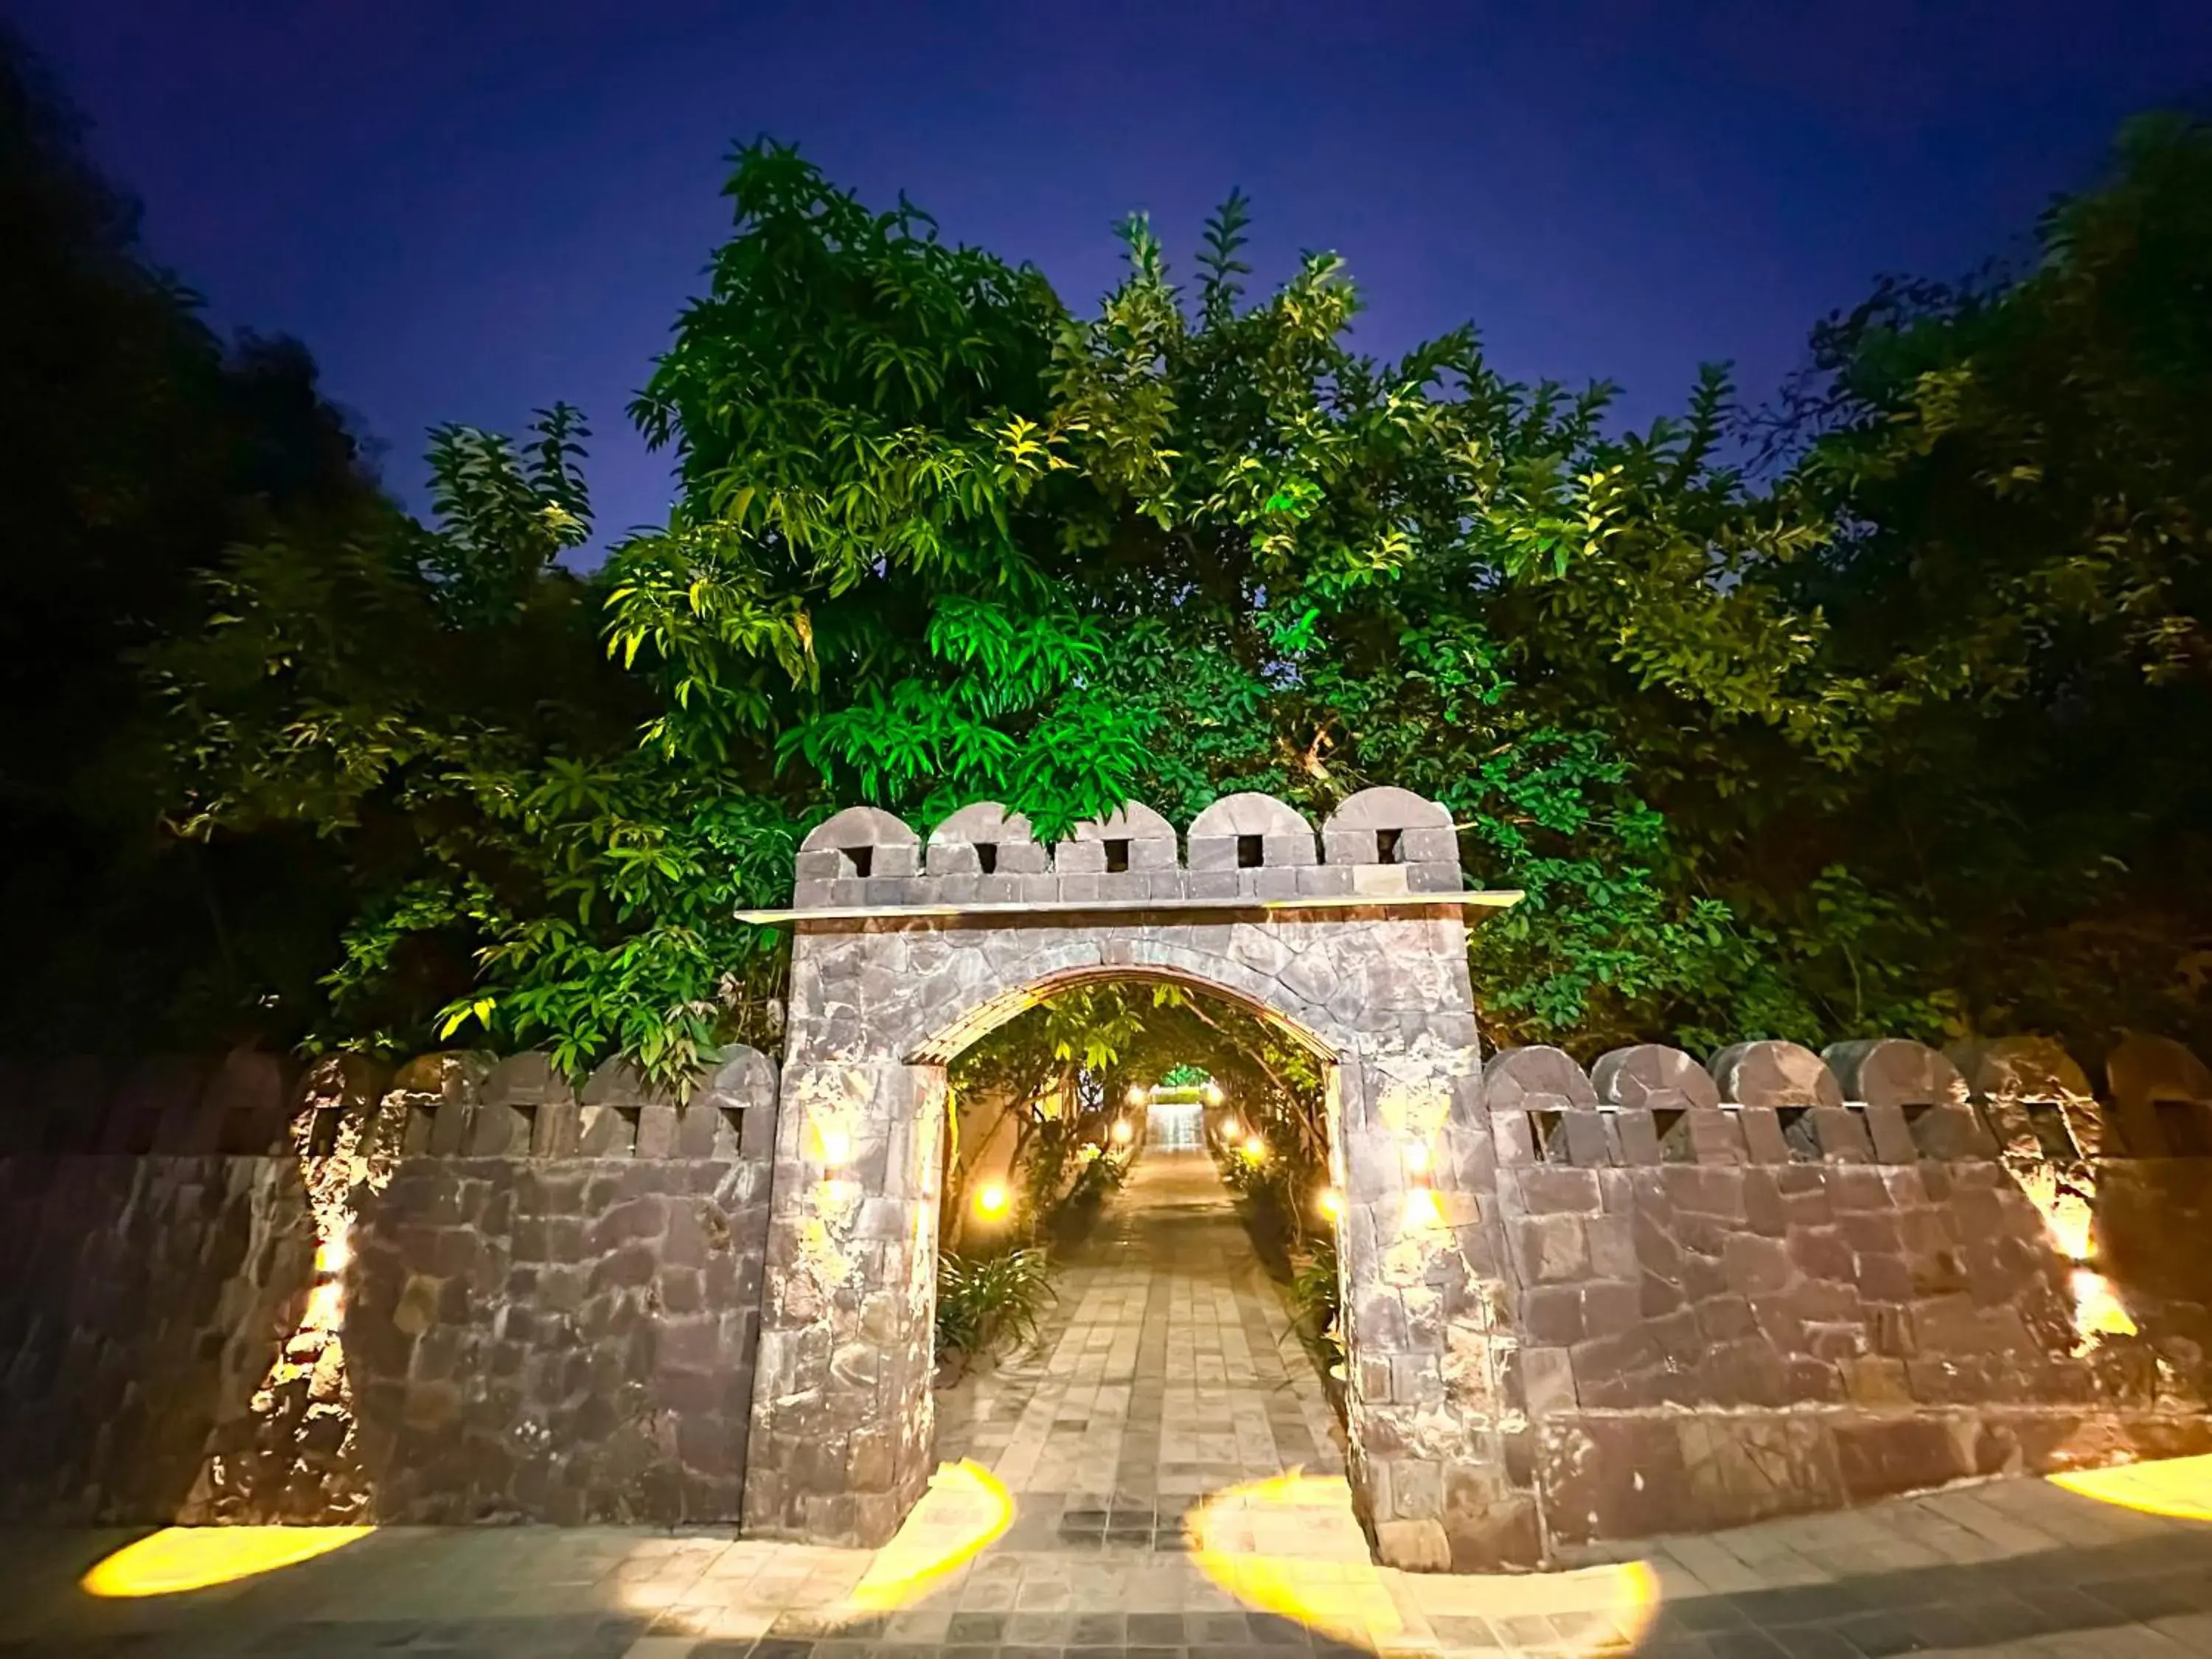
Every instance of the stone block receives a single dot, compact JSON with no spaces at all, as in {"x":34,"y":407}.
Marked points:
{"x":1325,"y":880}
{"x":1586,"y":1144}
{"x":1649,"y":1075}
{"x":1535,"y":1078}
{"x":1891,"y":1135}
{"x":1763,"y":1140}
{"x":1879,"y":1459}
{"x":1949,"y":1133}
{"x":1638,"y":1137}
{"x":1842,"y":1134}
{"x":1776,"y":1074}
{"x":1714,"y":1135}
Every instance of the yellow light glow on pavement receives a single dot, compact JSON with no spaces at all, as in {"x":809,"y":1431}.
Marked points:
{"x":180,"y":1559}
{"x":2180,"y":1488}
{"x":1290,"y":1546}
{"x":964,"y":1509}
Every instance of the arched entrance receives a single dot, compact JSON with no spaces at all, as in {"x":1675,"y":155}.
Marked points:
{"x":905,"y":952}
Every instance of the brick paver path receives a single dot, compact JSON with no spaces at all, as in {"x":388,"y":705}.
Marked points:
{"x":1167,"y":1372}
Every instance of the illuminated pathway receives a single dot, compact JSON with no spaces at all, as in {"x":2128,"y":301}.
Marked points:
{"x":1166,"y":1375}
{"x":1167,"y":1371}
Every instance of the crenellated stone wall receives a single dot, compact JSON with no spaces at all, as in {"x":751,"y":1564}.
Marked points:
{"x":465,"y":1292}
{"x":1792,"y":1281}
{"x":1578,"y":1305}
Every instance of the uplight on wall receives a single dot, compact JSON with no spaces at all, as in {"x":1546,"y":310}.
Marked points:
{"x":1331,"y":1202}
{"x":1421,"y":1208}
{"x":991,"y":1200}
{"x":1417,"y":1157}
{"x":833,"y":1143}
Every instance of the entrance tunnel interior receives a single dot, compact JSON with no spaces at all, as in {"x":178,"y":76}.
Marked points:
{"x":1138,"y":1286}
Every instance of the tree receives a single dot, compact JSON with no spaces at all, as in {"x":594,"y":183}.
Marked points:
{"x":135,"y":445}
{"x":943,"y":541}
{"x":2023,"y":468}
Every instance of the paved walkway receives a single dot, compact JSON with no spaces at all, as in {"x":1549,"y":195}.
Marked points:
{"x":1167,"y":1372}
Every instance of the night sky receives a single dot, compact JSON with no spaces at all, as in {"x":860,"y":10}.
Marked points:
{"x":472,"y":207}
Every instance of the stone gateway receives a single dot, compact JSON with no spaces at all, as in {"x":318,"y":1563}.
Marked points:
{"x":1355,"y":944}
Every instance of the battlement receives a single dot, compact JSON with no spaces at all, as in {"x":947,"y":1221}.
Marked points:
{"x":1381,"y":842}
{"x":440,"y":1105}
{"x":1884,"y":1101}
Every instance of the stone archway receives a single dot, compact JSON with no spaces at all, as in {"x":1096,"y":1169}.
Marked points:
{"x":905,"y":951}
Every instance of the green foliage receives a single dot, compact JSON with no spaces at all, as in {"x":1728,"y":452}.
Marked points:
{"x":1316,"y":1301}
{"x":1906,"y":734}
{"x":135,"y":445}
{"x":990,"y":1304}
{"x":2024,"y":469}
{"x":434,"y":704}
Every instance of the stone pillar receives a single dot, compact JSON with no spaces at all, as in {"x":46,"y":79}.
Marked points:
{"x":1440,"y":1467}
{"x":844,"y":1422}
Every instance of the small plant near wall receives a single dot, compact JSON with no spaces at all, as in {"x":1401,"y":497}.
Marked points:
{"x":987,"y":1305}
{"x":1316,"y":1301}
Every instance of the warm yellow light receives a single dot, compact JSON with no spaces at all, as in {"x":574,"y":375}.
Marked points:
{"x":1421,"y":1209}
{"x":1211,"y":1093}
{"x":1122,"y":1132}
{"x":1232,"y":1128}
{"x":325,"y":1308}
{"x":2178,"y":1486}
{"x":1138,"y":1094}
{"x":2097,"y":1311}
{"x":1332,"y":1202}
{"x":991,"y":1199}
{"x":1254,"y":1148}
{"x":964,"y":1509}
{"x":1417,"y":1157}
{"x":835,"y":1143}
{"x":332,"y":1254}
{"x":179,"y":1559}
{"x":1290,"y":1546}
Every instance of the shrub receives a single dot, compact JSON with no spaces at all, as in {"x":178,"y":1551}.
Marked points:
{"x":1315,"y":1298}
{"x":985,"y":1303}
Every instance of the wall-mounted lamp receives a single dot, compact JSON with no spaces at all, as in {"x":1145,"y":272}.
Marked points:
{"x":1332,"y":1202}
{"x":834,"y":1142}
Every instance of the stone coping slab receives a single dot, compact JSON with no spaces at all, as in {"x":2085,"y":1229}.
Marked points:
{"x":1498,"y":899}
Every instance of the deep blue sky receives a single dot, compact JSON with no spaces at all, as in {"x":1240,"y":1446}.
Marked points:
{"x":467,"y":208}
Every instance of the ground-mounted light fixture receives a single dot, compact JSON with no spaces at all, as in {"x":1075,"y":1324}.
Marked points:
{"x":1122,"y":1133}
{"x":1331,"y":1202}
{"x":991,"y":1199}
{"x":1138,"y":1095}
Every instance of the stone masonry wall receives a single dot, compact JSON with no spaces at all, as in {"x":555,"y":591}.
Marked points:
{"x":1740,"y":1293}
{"x":470,"y":1294}
{"x":143,"y":1290}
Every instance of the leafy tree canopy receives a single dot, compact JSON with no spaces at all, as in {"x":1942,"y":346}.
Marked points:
{"x":1784,"y":753}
